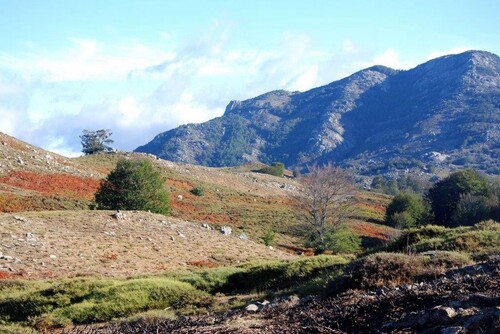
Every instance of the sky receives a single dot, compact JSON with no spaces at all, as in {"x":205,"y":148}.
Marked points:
{"x":140,"y":68}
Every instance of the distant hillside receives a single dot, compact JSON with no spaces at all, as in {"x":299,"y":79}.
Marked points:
{"x":443,"y":114}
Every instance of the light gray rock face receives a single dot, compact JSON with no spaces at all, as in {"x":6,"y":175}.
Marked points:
{"x":445,"y":112}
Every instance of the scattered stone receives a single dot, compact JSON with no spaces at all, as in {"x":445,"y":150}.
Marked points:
{"x":226,"y":230}
{"x":180,"y":234}
{"x":111,"y":234}
{"x":21,"y":219}
{"x":252,"y":308}
{"x":20,"y":161}
{"x":30,"y":236}
{"x":442,"y":313}
{"x":118,"y":215}
{"x":52,"y":256}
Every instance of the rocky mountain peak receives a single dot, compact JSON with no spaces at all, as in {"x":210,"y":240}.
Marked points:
{"x":378,"y":120}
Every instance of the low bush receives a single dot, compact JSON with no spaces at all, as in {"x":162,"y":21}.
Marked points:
{"x":472,"y":239}
{"x":197,"y":191}
{"x":394,"y":269}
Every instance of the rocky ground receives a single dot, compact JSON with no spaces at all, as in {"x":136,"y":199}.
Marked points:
{"x":465,"y":300}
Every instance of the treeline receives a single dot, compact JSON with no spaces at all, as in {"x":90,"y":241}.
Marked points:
{"x":463,"y":198}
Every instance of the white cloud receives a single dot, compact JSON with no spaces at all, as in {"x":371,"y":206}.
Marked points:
{"x":139,"y":90}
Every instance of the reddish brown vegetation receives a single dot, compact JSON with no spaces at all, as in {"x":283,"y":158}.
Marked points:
{"x":64,"y":185}
{"x":202,"y":263}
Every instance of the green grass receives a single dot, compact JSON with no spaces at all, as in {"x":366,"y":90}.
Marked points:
{"x":49,"y":304}
{"x":266,"y":275}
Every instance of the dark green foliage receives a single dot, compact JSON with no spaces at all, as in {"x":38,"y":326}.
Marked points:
{"x":406,"y":210}
{"x":197,"y":191}
{"x":134,"y":185}
{"x":472,"y":209}
{"x":96,"y":141}
{"x":445,"y":195}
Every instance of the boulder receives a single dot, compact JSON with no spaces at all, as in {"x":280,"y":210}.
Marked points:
{"x":226,"y":230}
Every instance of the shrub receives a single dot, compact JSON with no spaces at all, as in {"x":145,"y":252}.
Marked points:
{"x":340,"y":240}
{"x":197,"y":191}
{"x":276,"y":169}
{"x":378,"y":270}
{"x":268,"y":237}
{"x":405,"y":210}
{"x":134,"y":185}
{"x":482,"y":237}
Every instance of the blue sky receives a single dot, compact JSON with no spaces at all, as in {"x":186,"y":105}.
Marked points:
{"x":143,"y":67}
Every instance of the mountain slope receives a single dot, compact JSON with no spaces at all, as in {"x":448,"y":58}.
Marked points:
{"x":444,"y":113}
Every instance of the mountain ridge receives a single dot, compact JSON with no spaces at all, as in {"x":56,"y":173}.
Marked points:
{"x":441,"y":114}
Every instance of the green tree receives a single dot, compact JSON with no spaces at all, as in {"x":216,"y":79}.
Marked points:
{"x":134,"y":185}
{"x":445,"y":195}
{"x":405,"y":210}
{"x":96,"y":141}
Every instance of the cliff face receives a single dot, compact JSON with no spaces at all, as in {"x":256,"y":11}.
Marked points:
{"x":443,"y":113}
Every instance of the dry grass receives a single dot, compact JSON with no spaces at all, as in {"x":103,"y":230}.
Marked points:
{"x":88,"y":243}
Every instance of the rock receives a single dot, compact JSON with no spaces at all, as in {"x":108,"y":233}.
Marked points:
{"x":180,"y":198}
{"x":453,"y":330}
{"x":208,"y":227}
{"x":252,"y":308}
{"x":30,"y":236}
{"x":20,"y":161}
{"x":243,"y":236}
{"x":271,"y":247}
{"x":118,"y":215}
{"x":226,"y":230}
{"x":442,"y":313}
{"x":52,"y":256}
{"x":179,"y":233}
{"x":21,"y":219}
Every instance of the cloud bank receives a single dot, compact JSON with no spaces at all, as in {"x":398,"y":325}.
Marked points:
{"x":140,"y":89}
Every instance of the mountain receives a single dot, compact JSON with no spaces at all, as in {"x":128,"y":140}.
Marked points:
{"x":443,"y":114}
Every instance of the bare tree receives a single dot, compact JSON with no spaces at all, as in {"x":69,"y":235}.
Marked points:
{"x":326,"y":200}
